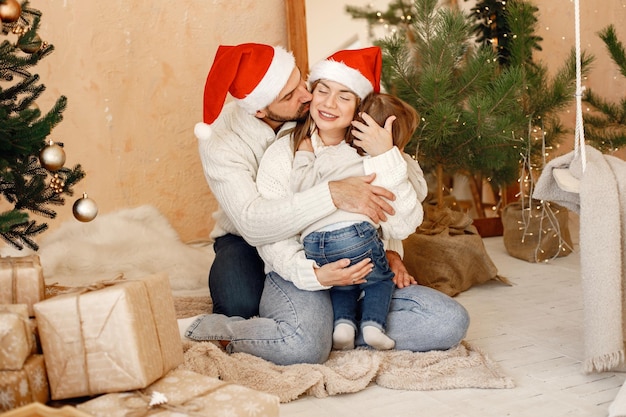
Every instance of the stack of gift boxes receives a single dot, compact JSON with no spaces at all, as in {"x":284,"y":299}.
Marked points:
{"x":115,"y":345}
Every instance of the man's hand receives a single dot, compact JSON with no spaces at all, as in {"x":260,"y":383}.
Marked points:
{"x":358,"y":195}
{"x":402,"y":278}
{"x":338,"y":273}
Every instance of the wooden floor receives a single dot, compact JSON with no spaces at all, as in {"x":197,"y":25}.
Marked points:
{"x":531,"y":329}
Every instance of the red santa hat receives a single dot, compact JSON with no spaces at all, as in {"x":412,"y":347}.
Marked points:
{"x":357,"y":69}
{"x":254,"y":74}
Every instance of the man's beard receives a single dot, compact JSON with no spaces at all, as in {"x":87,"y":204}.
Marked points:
{"x":303,"y":112}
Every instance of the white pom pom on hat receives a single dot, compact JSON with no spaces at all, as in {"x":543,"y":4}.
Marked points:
{"x":357,"y":69}
{"x":202,"y":131}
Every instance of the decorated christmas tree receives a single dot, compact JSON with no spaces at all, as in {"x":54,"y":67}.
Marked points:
{"x":605,"y":129}
{"x":33,"y":178}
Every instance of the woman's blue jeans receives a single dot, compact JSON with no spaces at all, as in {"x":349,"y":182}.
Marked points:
{"x":355,"y":242}
{"x":295,"y":326}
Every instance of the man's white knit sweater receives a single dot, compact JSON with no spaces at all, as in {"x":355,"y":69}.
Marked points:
{"x":231,"y":159}
{"x":287,"y":256}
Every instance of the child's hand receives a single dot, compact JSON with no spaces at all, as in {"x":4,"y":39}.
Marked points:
{"x":306,"y":145}
{"x":372,"y":138}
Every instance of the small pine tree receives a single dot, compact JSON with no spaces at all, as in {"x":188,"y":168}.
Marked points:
{"x":508,"y":30}
{"x":24,"y":182}
{"x":543,"y":98}
{"x":606,"y":129}
{"x":469,"y":104}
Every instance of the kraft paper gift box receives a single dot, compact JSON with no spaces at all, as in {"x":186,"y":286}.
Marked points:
{"x":121,"y":337}
{"x":28,"y":385}
{"x":21,"y":281}
{"x":16,"y":336}
{"x":41,"y":410}
{"x":185,"y":393}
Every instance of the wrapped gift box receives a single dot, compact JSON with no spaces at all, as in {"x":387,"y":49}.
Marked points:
{"x":28,"y":385}
{"x":186,"y":393}
{"x":16,"y":336}
{"x":121,"y":336}
{"x":21,"y":281}
{"x":40,"y":410}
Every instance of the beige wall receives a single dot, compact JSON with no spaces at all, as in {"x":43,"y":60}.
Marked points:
{"x":134,"y":73}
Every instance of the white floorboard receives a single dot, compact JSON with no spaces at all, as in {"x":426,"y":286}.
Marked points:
{"x":532,"y":329}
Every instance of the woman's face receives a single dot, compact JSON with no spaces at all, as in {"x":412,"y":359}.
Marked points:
{"x":332,"y":108}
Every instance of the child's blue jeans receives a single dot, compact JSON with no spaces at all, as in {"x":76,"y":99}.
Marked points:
{"x":355,"y":242}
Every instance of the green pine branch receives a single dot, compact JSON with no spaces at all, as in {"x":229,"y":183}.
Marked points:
{"x":469,"y":105}
{"x":605,"y":129}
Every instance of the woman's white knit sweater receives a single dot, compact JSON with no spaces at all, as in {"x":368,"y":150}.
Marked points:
{"x":231,"y":159}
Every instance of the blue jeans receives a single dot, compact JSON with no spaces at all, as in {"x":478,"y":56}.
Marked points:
{"x":355,"y":242}
{"x":295,"y":326}
{"x":236,"y":277}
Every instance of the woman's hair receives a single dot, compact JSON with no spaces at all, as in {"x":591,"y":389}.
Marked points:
{"x":302,"y":130}
{"x":380,"y":106}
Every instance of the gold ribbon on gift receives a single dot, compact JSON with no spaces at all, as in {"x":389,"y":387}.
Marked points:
{"x":139,"y":404}
{"x":56,"y":289}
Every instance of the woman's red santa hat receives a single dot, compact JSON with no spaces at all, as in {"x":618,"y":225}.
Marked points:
{"x":254,"y":74}
{"x":357,"y":69}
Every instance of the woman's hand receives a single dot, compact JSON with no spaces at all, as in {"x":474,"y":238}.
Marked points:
{"x":372,"y":138}
{"x":402,"y":278}
{"x":339,"y":274}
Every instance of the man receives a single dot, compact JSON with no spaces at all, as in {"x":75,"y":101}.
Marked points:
{"x":268,"y":93}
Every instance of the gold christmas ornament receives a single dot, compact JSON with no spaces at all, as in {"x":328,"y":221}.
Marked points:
{"x":52,"y":157}
{"x":85,"y":209}
{"x":57,"y":184}
{"x":30,"y":45}
{"x":10,"y":11}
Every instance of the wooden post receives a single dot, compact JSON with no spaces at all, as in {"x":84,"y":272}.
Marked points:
{"x":296,"y":33}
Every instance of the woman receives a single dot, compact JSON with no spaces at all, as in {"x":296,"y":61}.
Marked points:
{"x":296,"y":319}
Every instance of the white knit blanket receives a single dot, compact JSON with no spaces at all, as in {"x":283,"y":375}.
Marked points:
{"x":601,"y":205}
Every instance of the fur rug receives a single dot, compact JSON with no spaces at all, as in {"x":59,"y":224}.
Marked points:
{"x":349,"y":371}
{"x":136,"y":242}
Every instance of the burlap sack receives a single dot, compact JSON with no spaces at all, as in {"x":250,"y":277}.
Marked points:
{"x":447,"y":253}
{"x":538,"y":233}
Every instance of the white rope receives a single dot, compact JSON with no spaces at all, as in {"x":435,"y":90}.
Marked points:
{"x":579,"y":135}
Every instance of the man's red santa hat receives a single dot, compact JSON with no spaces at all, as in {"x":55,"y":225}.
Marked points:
{"x":254,"y":74}
{"x":357,"y":69}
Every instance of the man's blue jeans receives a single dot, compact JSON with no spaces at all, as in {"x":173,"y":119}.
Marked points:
{"x":236,"y":278}
{"x":355,"y":242}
